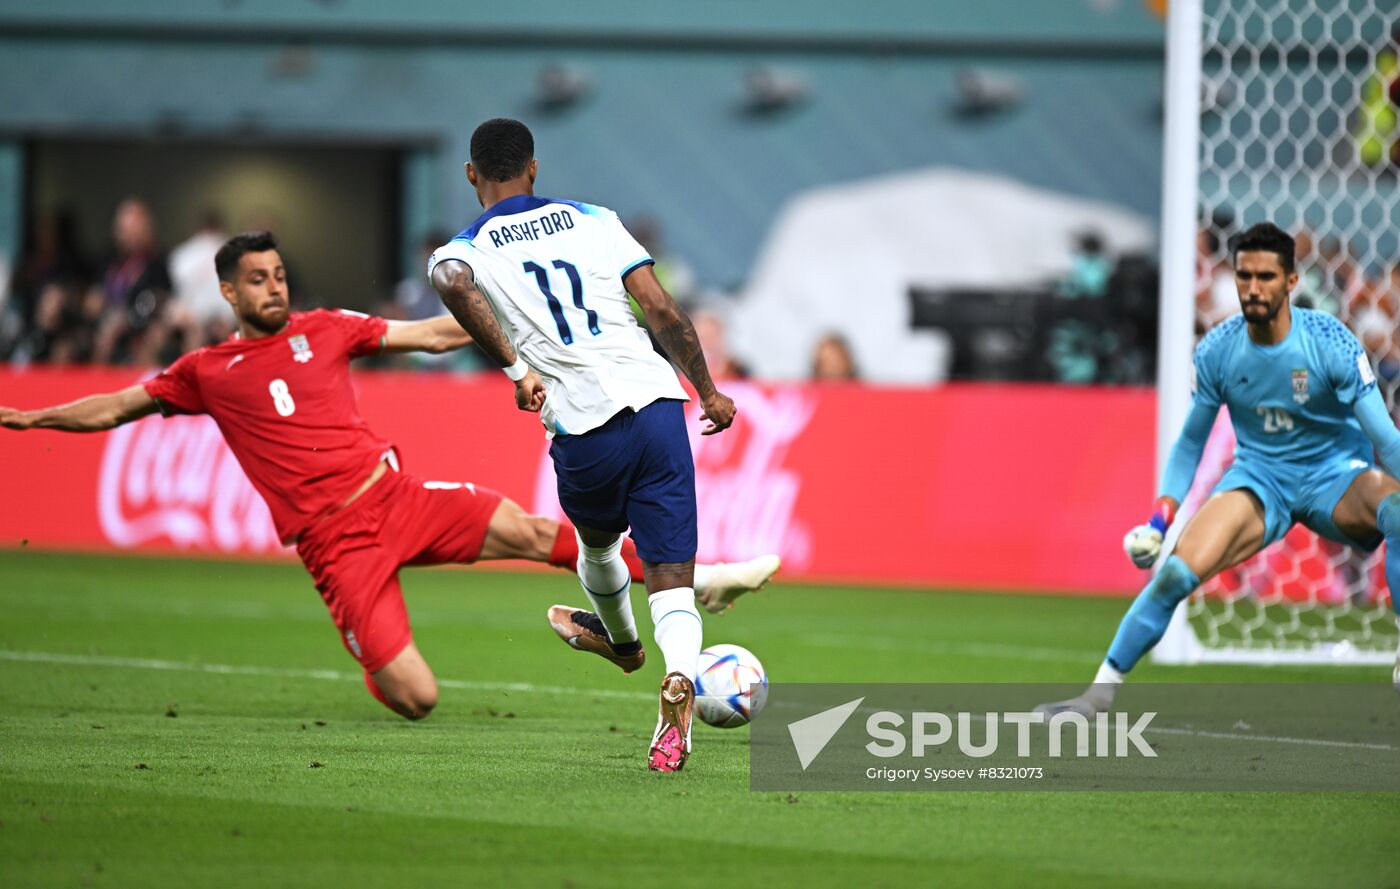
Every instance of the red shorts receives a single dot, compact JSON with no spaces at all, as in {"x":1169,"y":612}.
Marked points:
{"x":354,"y":555}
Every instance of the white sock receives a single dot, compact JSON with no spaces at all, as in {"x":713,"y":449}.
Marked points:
{"x":1106,"y":683}
{"x":677,"y":629}
{"x":607,"y":583}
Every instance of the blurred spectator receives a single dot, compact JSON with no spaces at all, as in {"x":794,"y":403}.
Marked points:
{"x":1313,"y":290}
{"x":1377,"y":130}
{"x":674,"y":273}
{"x":710,"y":329}
{"x":1089,"y":268}
{"x":1344,"y":278}
{"x":135,"y":288}
{"x":832,"y":360}
{"x":415,"y":299}
{"x":1216,"y":296}
{"x":197,"y":307}
{"x":51,"y":254}
{"x":9,"y":320}
{"x":58,"y":334}
{"x":1374,"y":316}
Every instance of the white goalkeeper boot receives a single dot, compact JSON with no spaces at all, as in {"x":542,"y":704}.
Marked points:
{"x":1097,"y":698}
{"x":1086,"y":705}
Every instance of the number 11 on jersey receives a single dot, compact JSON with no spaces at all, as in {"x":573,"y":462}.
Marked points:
{"x":555,"y":308}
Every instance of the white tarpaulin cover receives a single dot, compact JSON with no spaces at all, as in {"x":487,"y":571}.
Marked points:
{"x":842,"y":259}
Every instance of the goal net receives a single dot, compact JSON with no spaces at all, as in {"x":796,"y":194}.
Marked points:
{"x":1298,"y":125}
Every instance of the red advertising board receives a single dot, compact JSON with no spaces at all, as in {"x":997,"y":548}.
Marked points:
{"x":983,"y":486}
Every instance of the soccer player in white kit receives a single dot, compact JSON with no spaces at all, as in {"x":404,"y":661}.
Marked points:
{"x":554,"y":276}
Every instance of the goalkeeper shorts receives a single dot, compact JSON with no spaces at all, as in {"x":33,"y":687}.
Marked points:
{"x":1306,"y":493}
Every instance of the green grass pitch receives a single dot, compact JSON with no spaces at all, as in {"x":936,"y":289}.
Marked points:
{"x":129,"y":755}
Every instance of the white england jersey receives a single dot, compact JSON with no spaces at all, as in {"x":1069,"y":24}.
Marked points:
{"x":553,"y":272}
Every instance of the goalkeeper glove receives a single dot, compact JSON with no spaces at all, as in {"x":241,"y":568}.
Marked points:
{"x":1144,"y":543}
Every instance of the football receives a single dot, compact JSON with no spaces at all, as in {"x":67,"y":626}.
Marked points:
{"x":730,"y":686}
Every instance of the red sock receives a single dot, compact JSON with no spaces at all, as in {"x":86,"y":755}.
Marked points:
{"x":564,"y":553}
{"x":374,"y":690}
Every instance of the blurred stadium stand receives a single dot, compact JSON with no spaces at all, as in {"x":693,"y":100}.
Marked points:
{"x":666,"y":125}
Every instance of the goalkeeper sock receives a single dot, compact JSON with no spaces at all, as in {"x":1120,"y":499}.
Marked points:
{"x":677,"y":629}
{"x":565,"y":552}
{"x":606,"y":582}
{"x":1147,"y":618}
{"x":1388,"y":521}
{"x":1105,"y":686}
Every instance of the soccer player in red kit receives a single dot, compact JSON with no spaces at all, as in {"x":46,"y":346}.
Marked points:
{"x":279,"y":390}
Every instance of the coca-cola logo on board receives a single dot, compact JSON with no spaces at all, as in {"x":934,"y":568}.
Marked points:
{"x":176,"y":481}
{"x":746,"y":497}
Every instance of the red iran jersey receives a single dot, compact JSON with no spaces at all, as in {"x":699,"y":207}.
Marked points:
{"x":285,"y":406}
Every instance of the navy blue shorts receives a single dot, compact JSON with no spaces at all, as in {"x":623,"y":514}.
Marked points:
{"x":633,"y":471}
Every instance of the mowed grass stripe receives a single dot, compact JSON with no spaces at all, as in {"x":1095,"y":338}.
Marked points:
{"x":86,"y":660}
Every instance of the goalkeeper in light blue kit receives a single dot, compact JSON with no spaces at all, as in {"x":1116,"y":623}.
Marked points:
{"x":1309,"y":423}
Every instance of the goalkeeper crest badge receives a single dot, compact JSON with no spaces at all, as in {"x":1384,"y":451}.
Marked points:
{"x":301,"y":348}
{"x":1300,"y":386}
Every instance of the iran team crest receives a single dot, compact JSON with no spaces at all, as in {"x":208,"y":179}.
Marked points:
{"x":301,"y":349}
{"x":1300,"y":386}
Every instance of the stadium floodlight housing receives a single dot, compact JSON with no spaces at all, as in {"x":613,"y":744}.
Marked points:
{"x":1266,"y":121}
{"x":982,"y":92}
{"x":768,"y":89}
{"x":558,"y":87}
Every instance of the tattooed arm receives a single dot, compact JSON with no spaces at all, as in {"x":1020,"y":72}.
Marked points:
{"x":456,"y":284}
{"x":673,"y":330}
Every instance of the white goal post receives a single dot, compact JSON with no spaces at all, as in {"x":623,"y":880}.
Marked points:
{"x":1276,"y":110}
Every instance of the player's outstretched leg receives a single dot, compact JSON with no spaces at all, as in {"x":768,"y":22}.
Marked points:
{"x":718,"y":585}
{"x":1141,"y":628}
{"x":405,"y":684}
{"x":1371,"y":507}
{"x":1228,"y":529}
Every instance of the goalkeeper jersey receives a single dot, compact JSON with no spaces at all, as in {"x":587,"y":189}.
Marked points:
{"x":1292,"y":401}
{"x":553,"y":271}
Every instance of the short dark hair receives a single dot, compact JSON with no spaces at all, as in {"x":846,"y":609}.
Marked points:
{"x":501,"y":149}
{"x":1265,"y":236}
{"x":226,"y":260}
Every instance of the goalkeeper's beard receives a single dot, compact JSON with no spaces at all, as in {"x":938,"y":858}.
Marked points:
{"x":1259,"y":312}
